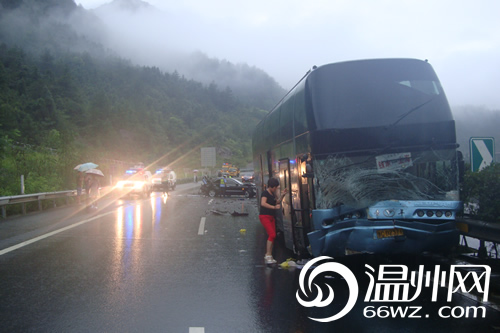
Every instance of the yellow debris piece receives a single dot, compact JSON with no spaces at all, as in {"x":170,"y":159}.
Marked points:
{"x":290,"y":262}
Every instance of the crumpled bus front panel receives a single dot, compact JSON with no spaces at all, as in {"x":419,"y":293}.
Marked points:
{"x":378,"y":236}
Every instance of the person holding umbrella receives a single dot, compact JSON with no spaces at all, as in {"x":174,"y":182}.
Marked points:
{"x":93,"y":185}
{"x":81,"y":179}
{"x":79,"y":186}
{"x":85,"y":166}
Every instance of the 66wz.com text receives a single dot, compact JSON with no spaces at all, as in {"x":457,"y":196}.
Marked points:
{"x":415,"y":312}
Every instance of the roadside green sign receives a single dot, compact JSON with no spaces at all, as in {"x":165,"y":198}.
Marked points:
{"x":482,"y":153}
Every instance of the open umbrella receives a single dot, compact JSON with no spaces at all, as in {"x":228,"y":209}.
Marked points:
{"x":85,"y":166}
{"x":95,"y":172}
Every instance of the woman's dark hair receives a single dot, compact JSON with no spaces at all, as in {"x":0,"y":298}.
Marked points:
{"x":273,"y":182}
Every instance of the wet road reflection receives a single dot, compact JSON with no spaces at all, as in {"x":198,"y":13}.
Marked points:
{"x":143,"y":267}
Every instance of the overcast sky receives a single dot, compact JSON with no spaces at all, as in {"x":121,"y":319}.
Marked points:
{"x":285,"y":38}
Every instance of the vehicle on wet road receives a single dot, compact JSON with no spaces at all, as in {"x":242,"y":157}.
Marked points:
{"x":247,"y":177}
{"x":234,"y":171}
{"x":221,"y":186}
{"x":136,"y":182}
{"x":164,"y":180}
{"x":367,"y":150}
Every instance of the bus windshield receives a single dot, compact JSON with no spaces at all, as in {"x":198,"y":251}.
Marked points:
{"x":361,"y":181}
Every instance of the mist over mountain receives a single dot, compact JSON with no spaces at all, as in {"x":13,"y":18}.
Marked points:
{"x":56,"y":25}
{"x":170,"y":41}
{"x":65,"y":88}
{"x":133,"y":30}
{"x":476,"y":121}
{"x":128,"y":5}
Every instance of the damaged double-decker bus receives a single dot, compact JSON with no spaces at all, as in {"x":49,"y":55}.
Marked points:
{"x":368,"y":152}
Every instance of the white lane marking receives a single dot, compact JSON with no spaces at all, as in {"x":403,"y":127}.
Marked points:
{"x":197,"y":330}
{"x":201,"y":229}
{"x":210,"y":201}
{"x":36,"y":239}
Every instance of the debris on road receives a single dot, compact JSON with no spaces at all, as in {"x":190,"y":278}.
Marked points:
{"x":289,"y":263}
{"x":219,"y":212}
{"x":239,"y":214}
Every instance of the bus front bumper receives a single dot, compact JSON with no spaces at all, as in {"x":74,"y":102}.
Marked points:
{"x":383,"y":237}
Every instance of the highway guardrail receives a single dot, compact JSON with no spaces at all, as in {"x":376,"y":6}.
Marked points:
{"x":39,"y":197}
{"x":488,"y":231}
{"x":36,"y":197}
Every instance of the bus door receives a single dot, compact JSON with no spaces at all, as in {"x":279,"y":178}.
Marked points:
{"x":306,"y":192}
{"x":287,"y":204}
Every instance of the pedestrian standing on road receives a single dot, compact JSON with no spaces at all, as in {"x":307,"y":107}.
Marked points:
{"x":87,"y":181}
{"x":93,"y":191}
{"x":79,"y":186}
{"x":269,"y":204}
{"x":165,"y":184}
{"x":223,"y":186}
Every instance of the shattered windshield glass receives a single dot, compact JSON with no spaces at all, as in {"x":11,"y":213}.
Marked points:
{"x":361,"y":181}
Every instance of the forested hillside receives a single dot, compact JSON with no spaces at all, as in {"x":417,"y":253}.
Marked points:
{"x":59,"y":108}
{"x":150,"y":36}
{"x":67,"y":98}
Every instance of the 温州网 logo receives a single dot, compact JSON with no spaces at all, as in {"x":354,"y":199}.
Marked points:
{"x":395,"y":283}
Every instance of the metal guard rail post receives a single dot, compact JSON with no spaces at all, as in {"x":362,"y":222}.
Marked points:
{"x":24,"y":198}
{"x":488,"y":231}
{"x":481,"y":230}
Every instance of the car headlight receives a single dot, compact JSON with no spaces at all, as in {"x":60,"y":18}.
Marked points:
{"x":120,"y":184}
{"x":138,"y":185}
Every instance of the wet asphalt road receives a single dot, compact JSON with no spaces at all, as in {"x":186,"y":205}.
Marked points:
{"x":180,"y":263}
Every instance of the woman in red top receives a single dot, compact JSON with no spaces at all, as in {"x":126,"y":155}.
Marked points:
{"x":269,"y":203}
